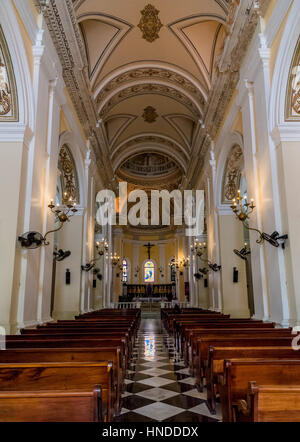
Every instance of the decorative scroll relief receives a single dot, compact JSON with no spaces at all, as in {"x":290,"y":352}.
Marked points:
{"x":156,"y":74}
{"x":69,"y":177}
{"x":232,"y":174}
{"x":293,"y":98}
{"x":8,"y":93}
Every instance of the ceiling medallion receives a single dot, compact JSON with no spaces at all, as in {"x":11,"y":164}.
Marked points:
{"x":150,"y":24}
{"x":150,"y":115}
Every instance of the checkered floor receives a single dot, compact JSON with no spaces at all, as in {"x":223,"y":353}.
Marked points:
{"x":158,"y":387}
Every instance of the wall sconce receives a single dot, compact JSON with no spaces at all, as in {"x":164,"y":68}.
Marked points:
{"x":136,"y":271}
{"x":114,"y":259}
{"x":185,"y":262}
{"x":34,"y":240}
{"x":243,"y":209}
{"x":200,"y":249}
{"x":243,"y":253}
{"x":102,"y":246}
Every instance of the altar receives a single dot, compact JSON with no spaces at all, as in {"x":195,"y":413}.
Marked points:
{"x":147,"y":292}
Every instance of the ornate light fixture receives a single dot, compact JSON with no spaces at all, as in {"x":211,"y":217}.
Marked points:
{"x":115,"y":258}
{"x":102,"y":246}
{"x":185,"y":262}
{"x":200,"y":248}
{"x":63,"y":213}
{"x":243,"y":209}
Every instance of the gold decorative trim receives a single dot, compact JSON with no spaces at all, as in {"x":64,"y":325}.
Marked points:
{"x":150,"y":24}
{"x":8,"y":90}
{"x":292,"y":107}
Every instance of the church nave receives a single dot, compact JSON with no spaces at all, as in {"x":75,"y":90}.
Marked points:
{"x":158,"y":387}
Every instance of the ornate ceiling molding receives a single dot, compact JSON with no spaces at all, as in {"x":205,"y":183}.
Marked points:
{"x":8,"y":90}
{"x":152,"y":88}
{"x":150,"y":24}
{"x":145,"y":143}
{"x":153,"y":70}
{"x":121,"y":29}
{"x":225,"y":83}
{"x":66,"y":36}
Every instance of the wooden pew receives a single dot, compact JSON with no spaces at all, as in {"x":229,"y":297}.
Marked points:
{"x":189,"y":333}
{"x":233,"y":383}
{"x":270,"y":403}
{"x":217,"y":355}
{"x":74,"y":376}
{"x":112,"y":354}
{"x":51,"y":406}
{"x":192,"y":358}
{"x":204,"y":343}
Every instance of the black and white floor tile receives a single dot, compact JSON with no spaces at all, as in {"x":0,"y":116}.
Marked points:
{"x":158,"y":386}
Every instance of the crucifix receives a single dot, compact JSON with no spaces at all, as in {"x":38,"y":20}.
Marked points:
{"x":149,"y":247}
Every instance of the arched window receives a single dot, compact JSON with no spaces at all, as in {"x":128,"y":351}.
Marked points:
{"x":124,"y":270}
{"x":149,"y":272}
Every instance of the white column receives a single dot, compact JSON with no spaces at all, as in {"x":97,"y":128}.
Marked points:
{"x":261,"y":300}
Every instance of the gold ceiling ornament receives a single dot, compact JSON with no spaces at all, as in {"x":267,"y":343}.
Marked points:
{"x":150,"y":115}
{"x":150,"y":24}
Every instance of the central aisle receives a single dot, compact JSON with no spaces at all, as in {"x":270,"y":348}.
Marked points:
{"x":158,"y":387}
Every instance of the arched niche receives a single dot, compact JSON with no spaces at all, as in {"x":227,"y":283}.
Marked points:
{"x":68,"y":176}
{"x":292,"y":108}
{"x":9,"y":110}
{"x":232,"y":174}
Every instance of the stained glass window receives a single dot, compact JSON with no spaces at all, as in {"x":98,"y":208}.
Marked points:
{"x":125,"y":270}
{"x":149,"y":271}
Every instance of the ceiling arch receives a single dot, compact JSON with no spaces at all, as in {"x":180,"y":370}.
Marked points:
{"x":152,"y":69}
{"x":145,"y":143}
{"x":145,"y":87}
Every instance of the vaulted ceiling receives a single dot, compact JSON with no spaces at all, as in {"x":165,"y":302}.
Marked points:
{"x":150,"y":69}
{"x":150,"y":77}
